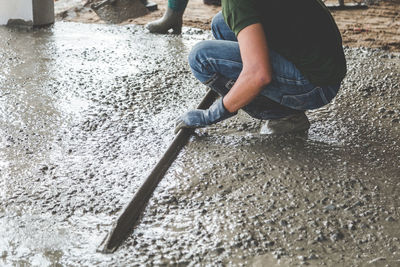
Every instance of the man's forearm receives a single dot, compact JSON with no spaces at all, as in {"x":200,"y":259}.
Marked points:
{"x":246,"y":88}
{"x":256,"y":72}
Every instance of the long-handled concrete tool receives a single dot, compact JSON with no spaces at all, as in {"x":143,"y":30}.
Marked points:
{"x":129,"y":217}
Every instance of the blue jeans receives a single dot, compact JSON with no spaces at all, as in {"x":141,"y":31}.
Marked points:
{"x":217,"y":63}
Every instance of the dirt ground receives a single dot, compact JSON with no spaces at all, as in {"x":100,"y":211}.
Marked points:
{"x":376,"y":27}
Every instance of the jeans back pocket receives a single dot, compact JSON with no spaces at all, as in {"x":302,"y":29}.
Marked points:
{"x":316,"y":98}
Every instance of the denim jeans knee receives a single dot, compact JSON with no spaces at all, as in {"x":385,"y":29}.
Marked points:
{"x":198,"y":61}
{"x":215,"y":57}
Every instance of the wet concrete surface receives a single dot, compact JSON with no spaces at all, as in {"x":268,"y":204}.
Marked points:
{"x":87,"y":110}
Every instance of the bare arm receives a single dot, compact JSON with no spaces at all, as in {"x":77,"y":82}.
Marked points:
{"x":256,"y":72}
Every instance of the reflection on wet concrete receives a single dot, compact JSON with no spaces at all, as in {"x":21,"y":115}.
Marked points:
{"x":86,"y":111}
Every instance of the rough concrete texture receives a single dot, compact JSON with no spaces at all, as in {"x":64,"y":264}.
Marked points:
{"x":86,"y":111}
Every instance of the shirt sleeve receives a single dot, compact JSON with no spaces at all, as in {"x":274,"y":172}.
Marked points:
{"x":239,"y":14}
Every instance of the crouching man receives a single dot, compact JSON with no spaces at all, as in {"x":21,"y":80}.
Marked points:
{"x":274,"y":59}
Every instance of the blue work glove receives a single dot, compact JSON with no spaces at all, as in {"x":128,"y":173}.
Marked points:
{"x":198,"y":118}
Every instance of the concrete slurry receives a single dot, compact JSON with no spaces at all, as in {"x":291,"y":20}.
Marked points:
{"x":87,"y":110}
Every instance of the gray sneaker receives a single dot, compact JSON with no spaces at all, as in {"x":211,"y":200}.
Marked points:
{"x":293,"y":123}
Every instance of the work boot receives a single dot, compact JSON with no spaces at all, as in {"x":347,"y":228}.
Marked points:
{"x":292,"y":123}
{"x":171,"y":20}
{"x":212,"y":2}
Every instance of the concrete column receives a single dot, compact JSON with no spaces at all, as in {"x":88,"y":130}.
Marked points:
{"x":26,"y":12}
{"x":43,"y":12}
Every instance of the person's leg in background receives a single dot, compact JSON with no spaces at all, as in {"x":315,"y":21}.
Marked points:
{"x":172,"y":18}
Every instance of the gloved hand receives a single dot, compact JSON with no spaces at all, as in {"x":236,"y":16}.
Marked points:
{"x":198,"y":118}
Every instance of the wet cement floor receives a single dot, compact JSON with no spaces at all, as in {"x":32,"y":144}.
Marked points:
{"x":87,"y":110}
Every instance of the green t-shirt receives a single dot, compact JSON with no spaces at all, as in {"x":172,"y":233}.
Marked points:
{"x":303,"y":31}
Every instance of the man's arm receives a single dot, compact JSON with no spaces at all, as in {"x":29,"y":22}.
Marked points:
{"x":256,"y":72}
